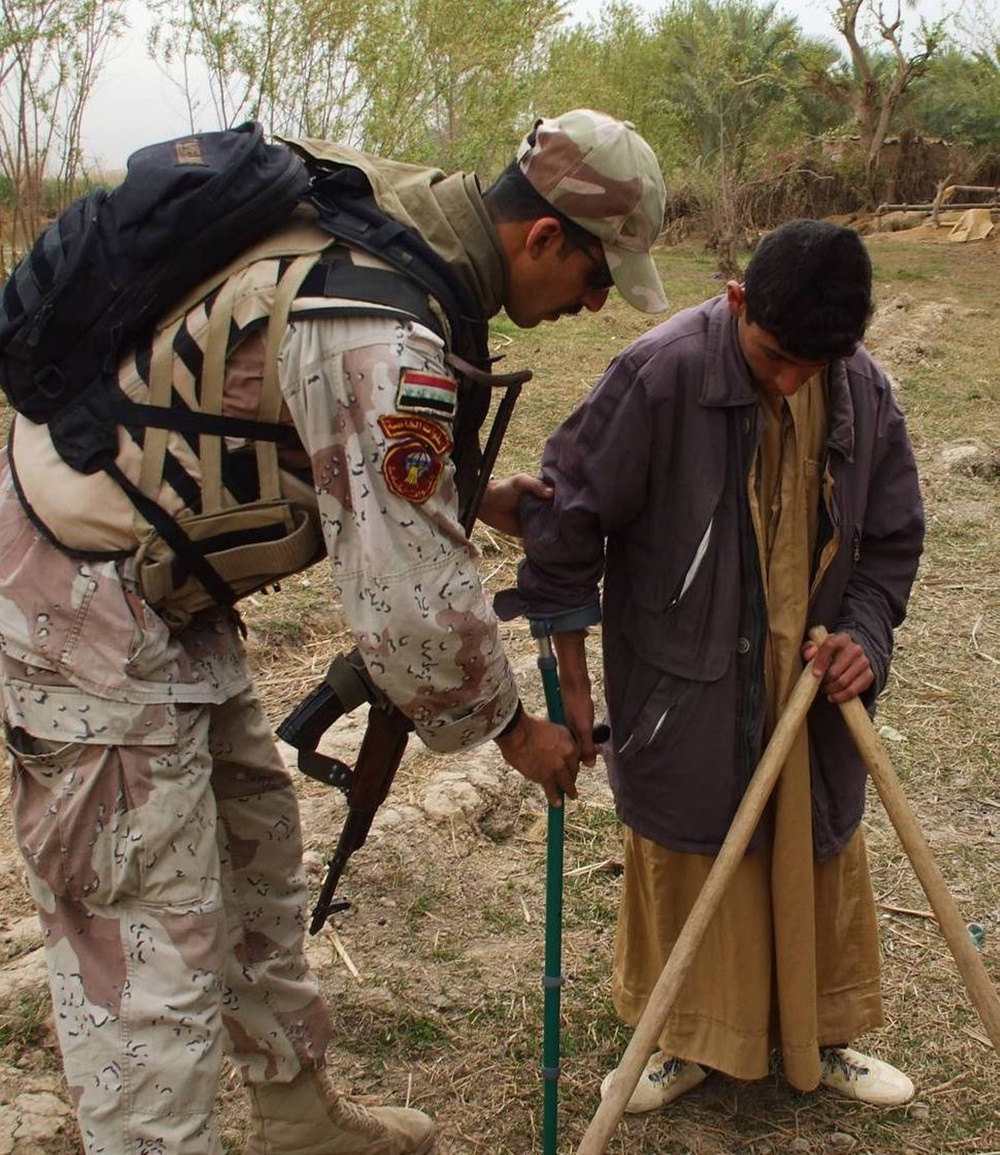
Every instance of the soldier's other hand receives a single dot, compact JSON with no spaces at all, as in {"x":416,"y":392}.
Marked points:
{"x":499,"y":507}
{"x":543,"y":752}
{"x":842,"y":665}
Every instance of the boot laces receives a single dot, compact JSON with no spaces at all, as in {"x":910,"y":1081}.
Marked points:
{"x":834,"y":1058}
{"x":668,"y":1072}
{"x":354,"y":1117}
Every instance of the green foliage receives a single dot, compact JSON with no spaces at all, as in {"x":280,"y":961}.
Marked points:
{"x":959,"y":97}
{"x":820,"y":110}
{"x":732,"y":66}
{"x":502,"y":326}
{"x":728,"y":92}
{"x":423,"y":902}
{"x":389,"y":1033}
{"x":715,"y":86}
{"x":50,"y":52}
{"x":501,"y":918}
{"x":286,"y":63}
{"x":615,"y":65}
{"x":442,"y":82}
{"x":461,"y":72}
{"x":53,"y":194}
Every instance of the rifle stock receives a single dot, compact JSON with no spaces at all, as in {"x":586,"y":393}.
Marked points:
{"x":378,"y":760}
{"x":347,"y":684}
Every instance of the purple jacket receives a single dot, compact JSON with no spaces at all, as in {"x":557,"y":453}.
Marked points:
{"x":650,"y":476}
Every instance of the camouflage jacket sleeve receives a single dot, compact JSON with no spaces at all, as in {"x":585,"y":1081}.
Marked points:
{"x":373,"y":403}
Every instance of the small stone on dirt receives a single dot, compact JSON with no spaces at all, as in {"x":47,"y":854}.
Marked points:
{"x":452,"y":795}
{"x":840,"y":1141}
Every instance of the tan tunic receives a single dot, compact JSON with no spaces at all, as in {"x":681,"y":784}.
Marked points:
{"x":791,"y":958}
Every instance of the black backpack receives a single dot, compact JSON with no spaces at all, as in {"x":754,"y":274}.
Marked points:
{"x":101,"y":276}
{"x":114,"y":262}
{"x":111,"y":265}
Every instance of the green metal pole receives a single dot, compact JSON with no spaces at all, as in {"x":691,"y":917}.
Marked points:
{"x":553,"y":980}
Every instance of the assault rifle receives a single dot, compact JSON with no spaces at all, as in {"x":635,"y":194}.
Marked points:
{"x":347,"y":684}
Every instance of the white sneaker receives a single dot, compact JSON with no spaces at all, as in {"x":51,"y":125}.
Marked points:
{"x":664,"y":1079}
{"x":860,"y":1077}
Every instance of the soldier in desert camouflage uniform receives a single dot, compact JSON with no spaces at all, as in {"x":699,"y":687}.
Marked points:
{"x":159,"y":827}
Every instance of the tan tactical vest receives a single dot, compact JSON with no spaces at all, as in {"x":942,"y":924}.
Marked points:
{"x":216,"y":352}
{"x":216,"y":355}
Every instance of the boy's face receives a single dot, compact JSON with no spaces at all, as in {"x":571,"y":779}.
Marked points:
{"x":777,"y":372}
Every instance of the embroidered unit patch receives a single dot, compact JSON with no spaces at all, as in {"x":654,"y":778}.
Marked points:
{"x":413,"y":468}
{"x":397,"y":425}
{"x":427,"y":393}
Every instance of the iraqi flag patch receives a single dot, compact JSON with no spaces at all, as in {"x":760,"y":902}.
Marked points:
{"x":428,"y":393}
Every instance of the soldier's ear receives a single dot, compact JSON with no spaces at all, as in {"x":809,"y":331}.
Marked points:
{"x":542,"y":235}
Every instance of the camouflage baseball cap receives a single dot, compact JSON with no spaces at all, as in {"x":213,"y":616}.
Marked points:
{"x":599,"y":172}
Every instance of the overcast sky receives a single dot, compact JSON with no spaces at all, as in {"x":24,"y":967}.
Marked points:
{"x":135,"y":103}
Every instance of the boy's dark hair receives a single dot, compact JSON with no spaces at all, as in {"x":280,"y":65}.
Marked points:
{"x":809,"y":284}
{"x":512,"y":198}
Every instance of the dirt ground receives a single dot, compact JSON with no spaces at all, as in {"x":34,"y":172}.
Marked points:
{"x":433,"y":975}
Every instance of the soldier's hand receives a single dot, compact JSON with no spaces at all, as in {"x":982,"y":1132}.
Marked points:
{"x":543,"y":752}
{"x":499,"y":507}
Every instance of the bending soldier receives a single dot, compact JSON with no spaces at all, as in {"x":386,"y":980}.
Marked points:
{"x":158,"y":824}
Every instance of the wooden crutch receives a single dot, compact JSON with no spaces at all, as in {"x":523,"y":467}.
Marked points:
{"x":668,"y":985}
{"x":956,"y":932}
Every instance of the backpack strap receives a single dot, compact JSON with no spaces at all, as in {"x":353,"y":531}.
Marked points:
{"x":385,"y":292}
{"x":300,"y":236}
{"x":271,"y":397}
{"x":159,"y":415}
{"x":161,"y":371}
{"x":348,"y":210}
{"x":209,"y":404}
{"x":213,"y":380}
{"x":174,"y":535}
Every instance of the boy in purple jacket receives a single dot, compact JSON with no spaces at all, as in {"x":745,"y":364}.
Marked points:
{"x":740,"y":474}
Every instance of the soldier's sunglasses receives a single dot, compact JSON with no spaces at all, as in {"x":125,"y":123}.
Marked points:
{"x":600,"y":279}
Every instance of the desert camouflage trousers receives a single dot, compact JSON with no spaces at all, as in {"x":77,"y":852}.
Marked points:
{"x":168,"y":878}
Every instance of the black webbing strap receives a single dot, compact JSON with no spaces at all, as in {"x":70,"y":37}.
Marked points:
{"x":336,"y":275}
{"x":357,"y":220}
{"x":185,"y":550}
{"x":179,"y":419}
{"x":348,"y":210}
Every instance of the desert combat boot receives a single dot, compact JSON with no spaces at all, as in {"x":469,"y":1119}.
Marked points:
{"x":308,"y":1117}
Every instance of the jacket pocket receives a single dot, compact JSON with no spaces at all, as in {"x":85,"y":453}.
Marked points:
{"x":680,"y":610}
{"x":658,"y":712}
{"x":665,"y":574}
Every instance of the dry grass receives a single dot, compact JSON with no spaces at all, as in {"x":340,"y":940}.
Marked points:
{"x":447,"y":931}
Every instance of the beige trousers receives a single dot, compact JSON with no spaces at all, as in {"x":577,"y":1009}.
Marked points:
{"x":731,"y":1011}
{"x":169,"y":882}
